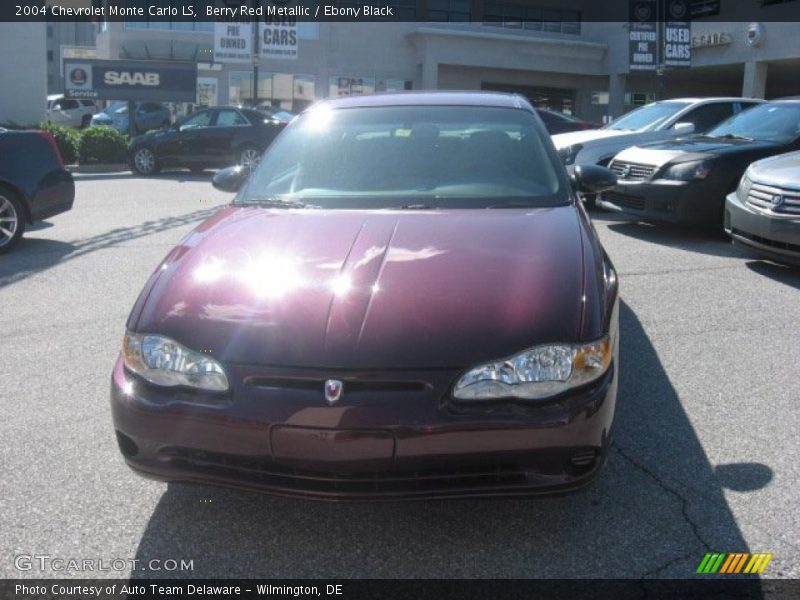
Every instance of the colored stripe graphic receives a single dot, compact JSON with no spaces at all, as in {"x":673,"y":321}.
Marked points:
{"x":733,"y":563}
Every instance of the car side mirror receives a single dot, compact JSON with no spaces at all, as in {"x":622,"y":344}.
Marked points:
{"x":683,"y":127}
{"x":230,"y":179}
{"x":590,"y":179}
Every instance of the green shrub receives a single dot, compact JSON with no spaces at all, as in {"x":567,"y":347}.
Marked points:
{"x":67,"y":140}
{"x":102,"y":145}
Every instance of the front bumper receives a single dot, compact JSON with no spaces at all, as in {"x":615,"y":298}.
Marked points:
{"x":774,"y":236}
{"x":666,"y":200}
{"x":390,"y":444}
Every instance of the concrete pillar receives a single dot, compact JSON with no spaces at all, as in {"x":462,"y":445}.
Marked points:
{"x":430,"y":74}
{"x":755,"y":79}
{"x":616,"y":94}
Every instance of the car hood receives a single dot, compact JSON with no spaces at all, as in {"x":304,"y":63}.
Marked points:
{"x":691,"y":148}
{"x":562,"y":140}
{"x":370,"y":289}
{"x":781,"y":171}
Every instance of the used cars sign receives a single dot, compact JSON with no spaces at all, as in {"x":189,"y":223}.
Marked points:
{"x":130,"y":80}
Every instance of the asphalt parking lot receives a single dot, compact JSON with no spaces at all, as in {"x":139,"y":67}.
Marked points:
{"x":705,"y":455}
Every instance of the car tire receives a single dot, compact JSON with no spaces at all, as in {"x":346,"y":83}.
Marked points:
{"x":144,"y":162}
{"x":12,"y":219}
{"x":249,"y":156}
{"x":86,"y":120}
{"x":165,"y":124}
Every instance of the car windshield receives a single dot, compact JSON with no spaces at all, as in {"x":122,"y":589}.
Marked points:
{"x":767,"y":122}
{"x":409,"y":157}
{"x":647,"y":118}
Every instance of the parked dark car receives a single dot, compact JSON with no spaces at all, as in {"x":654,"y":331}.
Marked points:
{"x":763,"y":213}
{"x":149,"y":115}
{"x":34,"y":184}
{"x":405,"y":299}
{"x":686,"y":180}
{"x":557,"y":122}
{"x":212,"y":137}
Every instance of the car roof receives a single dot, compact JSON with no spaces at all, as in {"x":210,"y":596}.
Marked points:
{"x":430,"y":98}
{"x":696,"y":100}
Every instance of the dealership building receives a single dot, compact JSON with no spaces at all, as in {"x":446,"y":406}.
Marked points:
{"x":554,"y":53}
{"x":557,"y":53}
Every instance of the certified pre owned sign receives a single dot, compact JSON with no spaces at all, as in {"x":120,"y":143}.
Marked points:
{"x":131,"y":80}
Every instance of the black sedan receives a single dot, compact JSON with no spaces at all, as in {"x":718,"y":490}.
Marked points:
{"x":34,"y":184}
{"x":686,"y":180}
{"x":214,"y":137}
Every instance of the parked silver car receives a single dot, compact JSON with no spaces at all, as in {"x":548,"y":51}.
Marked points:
{"x":149,"y":115}
{"x":653,"y":122}
{"x":764,"y":211}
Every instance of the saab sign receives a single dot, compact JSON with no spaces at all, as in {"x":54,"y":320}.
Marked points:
{"x":130,"y":80}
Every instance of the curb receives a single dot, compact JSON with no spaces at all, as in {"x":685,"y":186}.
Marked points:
{"x":107,"y":168}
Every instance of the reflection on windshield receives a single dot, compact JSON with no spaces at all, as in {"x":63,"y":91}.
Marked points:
{"x":648,"y":118}
{"x":767,"y":122}
{"x":432,"y":156}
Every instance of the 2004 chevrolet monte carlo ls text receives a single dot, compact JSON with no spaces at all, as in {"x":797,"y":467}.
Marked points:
{"x":405,"y":299}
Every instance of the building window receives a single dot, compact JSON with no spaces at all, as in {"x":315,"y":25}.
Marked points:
{"x":284,"y":90}
{"x":168,"y":24}
{"x":703,"y":8}
{"x":394,"y":85}
{"x":449,"y":10}
{"x":350,"y":86}
{"x":403,"y":10}
{"x":49,"y":56}
{"x":533,"y":18}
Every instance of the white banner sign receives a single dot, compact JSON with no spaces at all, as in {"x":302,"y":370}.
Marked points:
{"x":278,"y":38}
{"x":233,"y":42}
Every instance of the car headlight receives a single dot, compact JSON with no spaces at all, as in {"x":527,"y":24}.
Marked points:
{"x":689,"y":171}
{"x":743,"y":190}
{"x":165,"y":362}
{"x":536,"y":373}
{"x":568,"y":154}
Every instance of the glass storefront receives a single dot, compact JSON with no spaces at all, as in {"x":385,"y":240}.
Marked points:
{"x":284,"y":90}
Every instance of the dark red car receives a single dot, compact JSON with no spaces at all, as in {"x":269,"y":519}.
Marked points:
{"x":405,"y":299}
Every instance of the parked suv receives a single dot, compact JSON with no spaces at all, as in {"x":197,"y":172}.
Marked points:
{"x":70,"y":111}
{"x":149,"y":115}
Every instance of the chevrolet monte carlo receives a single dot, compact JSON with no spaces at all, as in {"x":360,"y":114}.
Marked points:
{"x":405,"y":299}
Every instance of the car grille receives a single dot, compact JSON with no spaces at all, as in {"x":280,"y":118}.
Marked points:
{"x":624,"y":200}
{"x":264,"y":473}
{"x":766,"y":241}
{"x":765,"y":196}
{"x":630,"y":171}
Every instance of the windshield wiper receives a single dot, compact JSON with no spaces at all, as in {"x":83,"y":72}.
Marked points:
{"x":413,"y":207}
{"x":733,"y":136}
{"x":275,"y":202}
{"x":515,"y":205}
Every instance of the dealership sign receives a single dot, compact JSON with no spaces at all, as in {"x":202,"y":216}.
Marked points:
{"x":130,"y":80}
{"x":278,"y":38}
{"x":659,"y":34}
{"x":677,"y":34}
{"x":643,"y":35}
{"x":233,"y":42}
